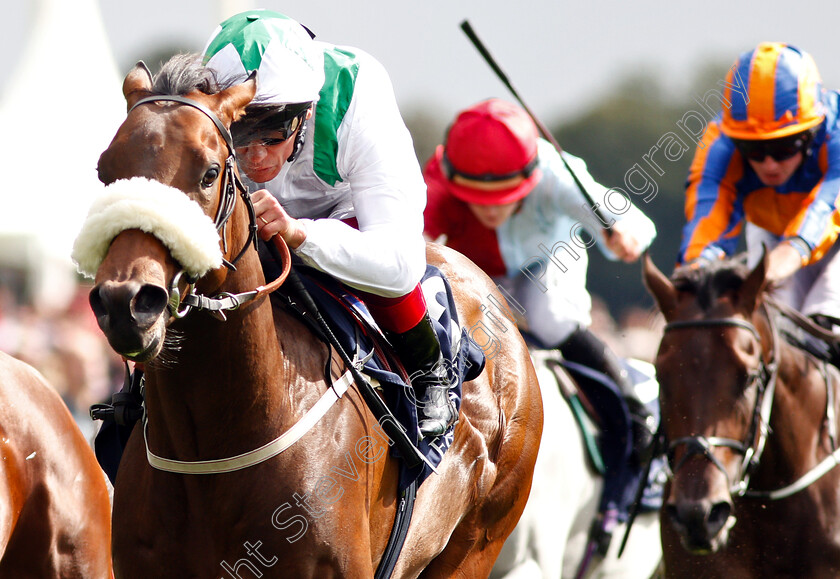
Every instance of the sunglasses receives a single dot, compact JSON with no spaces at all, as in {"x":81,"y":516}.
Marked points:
{"x":777,"y":149}
{"x":280,"y":132}
{"x":271,"y":141}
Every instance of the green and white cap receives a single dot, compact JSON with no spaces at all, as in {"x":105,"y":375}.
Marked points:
{"x":289,"y":64}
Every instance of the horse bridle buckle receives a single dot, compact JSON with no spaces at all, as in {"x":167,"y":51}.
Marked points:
{"x":175,"y":297}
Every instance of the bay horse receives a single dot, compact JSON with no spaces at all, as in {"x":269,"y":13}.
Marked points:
{"x":55,"y":512}
{"x":750,"y":423}
{"x":552,"y":536}
{"x":325,"y":506}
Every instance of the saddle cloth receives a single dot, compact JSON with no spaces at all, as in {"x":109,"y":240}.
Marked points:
{"x":622,"y":477}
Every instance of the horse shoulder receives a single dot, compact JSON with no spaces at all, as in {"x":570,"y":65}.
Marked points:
{"x":51,"y":484}
{"x":353,"y":445}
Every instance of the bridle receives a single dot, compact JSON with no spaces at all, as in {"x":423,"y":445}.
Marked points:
{"x":180,"y":305}
{"x":752,"y":447}
{"x":765,"y":376}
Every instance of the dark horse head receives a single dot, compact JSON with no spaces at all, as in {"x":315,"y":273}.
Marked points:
{"x":750,"y":417}
{"x":711,"y":367}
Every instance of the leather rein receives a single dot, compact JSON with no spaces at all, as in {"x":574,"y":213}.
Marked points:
{"x":765,"y":377}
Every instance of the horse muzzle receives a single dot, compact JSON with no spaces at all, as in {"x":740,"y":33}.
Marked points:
{"x":132,"y":315}
{"x":699,"y":504}
{"x":703,"y":525}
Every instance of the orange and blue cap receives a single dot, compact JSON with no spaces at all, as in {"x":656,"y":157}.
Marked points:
{"x":771,"y":92}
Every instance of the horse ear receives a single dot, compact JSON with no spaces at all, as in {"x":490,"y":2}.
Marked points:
{"x":754,"y":284}
{"x":659,"y":286}
{"x":137,"y":83}
{"x":231,"y":102}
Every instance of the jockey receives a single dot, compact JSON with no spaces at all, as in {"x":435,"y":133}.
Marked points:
{"x":496,"y":193}
{"x":337,"y":178}
{"x":772,"y":158}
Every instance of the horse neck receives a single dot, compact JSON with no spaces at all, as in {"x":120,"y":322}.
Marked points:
{"x":227,"y":376}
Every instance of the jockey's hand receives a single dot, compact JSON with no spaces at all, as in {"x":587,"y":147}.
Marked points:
{"x":272,"y":220}
{"x":623,"y":243}
{"x":782,"y":262}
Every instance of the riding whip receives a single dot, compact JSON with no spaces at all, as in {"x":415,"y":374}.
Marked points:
{"x":468,"y":30}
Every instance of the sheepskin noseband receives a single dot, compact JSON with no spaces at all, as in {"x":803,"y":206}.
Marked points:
{"x":158,"y":209}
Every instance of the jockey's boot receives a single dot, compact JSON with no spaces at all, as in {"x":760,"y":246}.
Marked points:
{"x":643,"y":427}
{"x":419,"y":350}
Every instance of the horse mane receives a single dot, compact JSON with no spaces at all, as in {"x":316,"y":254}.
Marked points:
{"x":713,"y":280}
{"x":183,"y":74}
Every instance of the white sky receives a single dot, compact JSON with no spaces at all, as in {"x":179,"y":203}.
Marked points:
{"x":560,"y":55}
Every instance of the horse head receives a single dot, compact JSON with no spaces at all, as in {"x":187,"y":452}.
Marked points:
{"x":712,"y":372}
{"x":165,"y":222}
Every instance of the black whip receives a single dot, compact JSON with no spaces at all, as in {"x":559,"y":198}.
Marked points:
{"x":468,"y":30}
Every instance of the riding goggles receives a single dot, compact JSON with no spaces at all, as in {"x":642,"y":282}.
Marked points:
{"x":451,"y":172}
{"x":778,"y":149}
{"x":280,"y":135}
{"x":268,"y":127}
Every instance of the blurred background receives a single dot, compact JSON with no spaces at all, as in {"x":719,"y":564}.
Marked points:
{"x":609,"y":79}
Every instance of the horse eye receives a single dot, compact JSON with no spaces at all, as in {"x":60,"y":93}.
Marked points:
{"x":210,"y":177}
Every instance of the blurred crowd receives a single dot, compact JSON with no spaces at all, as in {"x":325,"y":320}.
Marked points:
{"x":67,"y":347}
{"x":635,"y":334}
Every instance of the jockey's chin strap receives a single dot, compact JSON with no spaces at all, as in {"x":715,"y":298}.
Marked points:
{"x":180,"y":305}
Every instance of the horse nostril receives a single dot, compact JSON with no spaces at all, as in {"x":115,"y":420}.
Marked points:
{"x":718,"y":515}
{"x":98,"y":307}
{"x":148,"y":304}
